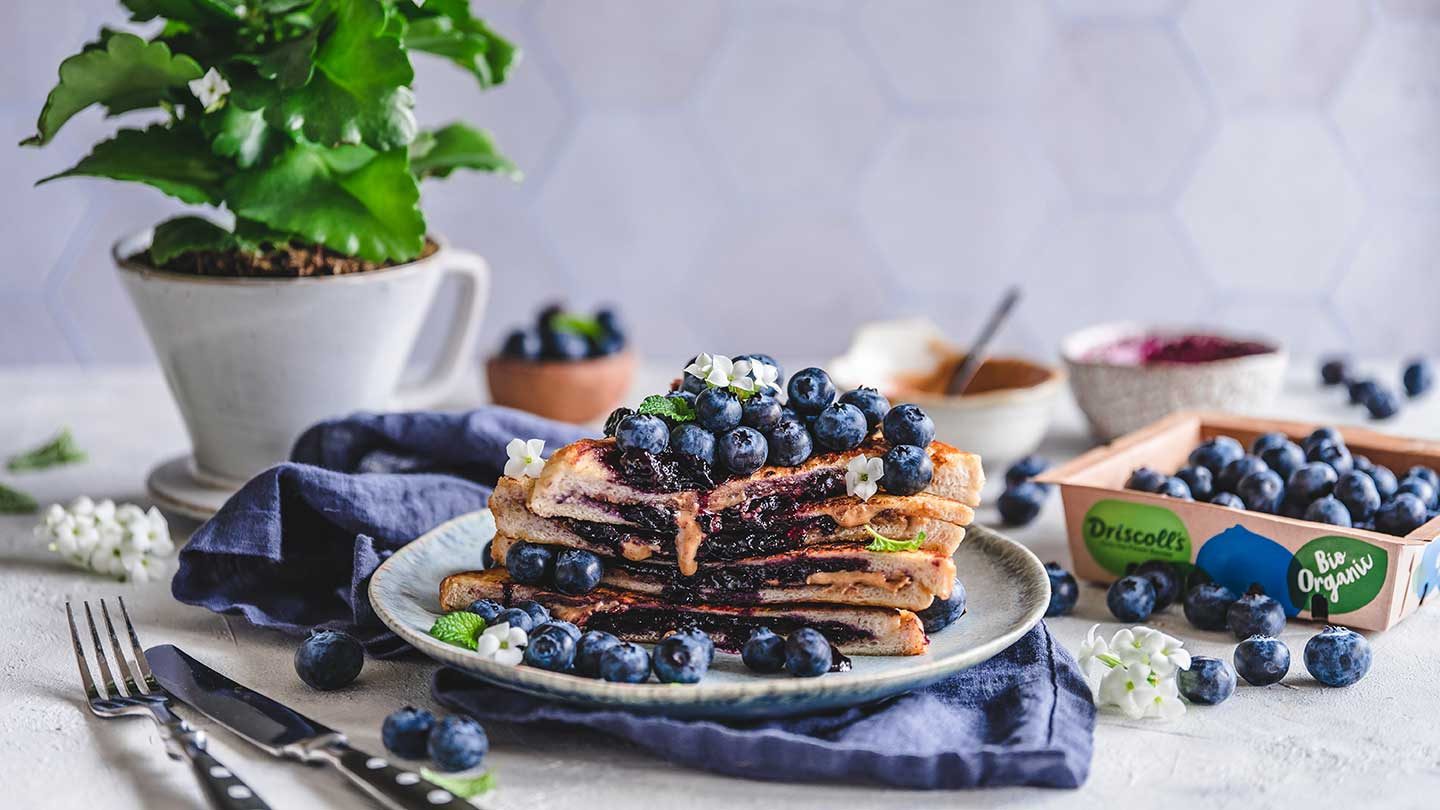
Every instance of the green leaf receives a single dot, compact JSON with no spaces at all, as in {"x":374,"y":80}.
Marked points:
{"x":193,"y":12}
{"x":458,"y":146}
{"x":60,"y":450}
{"x":126,"y":74}
{"x":290,"y":64}
{"x":883,"y":543}
{"x":15,"y":502}
{"x":237,"y":133}
{"x":182,"y":235}
{"x":466,"y":787}
{"x":461,"y":628}
{"x":674,"y":409}
{"x":446,"y":28}
{"x":583,"y":325}
{"x":360,"y":91}
{"x":177,"y":160}
{"x":351,"y":199}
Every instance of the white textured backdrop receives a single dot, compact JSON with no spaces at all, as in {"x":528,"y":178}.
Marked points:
{"x":760,"y":175}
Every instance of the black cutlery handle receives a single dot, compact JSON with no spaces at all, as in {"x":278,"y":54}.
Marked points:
{"x":396,"y":788}
{"x":222,"y":787}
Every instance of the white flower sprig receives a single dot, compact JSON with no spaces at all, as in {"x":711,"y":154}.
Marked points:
{"x":502,"y":644}
{"x":1135,"y":671}
{"x":210,"y":89}
{"x":744,"y":377}
{"x":124,"y":542}
{"x":525,"y":459}
{"x":862,"y":476}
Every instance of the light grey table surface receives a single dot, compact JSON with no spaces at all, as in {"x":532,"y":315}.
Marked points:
{"x":1295,"y":744}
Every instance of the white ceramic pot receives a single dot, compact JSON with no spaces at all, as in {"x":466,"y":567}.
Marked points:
{"x":252,"y":362}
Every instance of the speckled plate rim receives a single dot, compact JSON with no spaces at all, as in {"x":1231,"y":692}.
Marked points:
{"x":408,"y":582}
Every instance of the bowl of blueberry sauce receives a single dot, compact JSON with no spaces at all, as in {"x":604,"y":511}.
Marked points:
{"x":1126,"y":375}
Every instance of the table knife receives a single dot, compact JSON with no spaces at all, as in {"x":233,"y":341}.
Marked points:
{"x":283,"y":732}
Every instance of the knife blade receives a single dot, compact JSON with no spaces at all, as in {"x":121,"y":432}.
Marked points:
{"x":283,"y":732}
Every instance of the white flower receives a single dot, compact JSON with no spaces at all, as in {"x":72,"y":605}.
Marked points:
{"x":82,"y":506}
{"x":124,"y":542}
{"x":717,"y":370}
{"x":1162,"y":653}
{"x":525,"y":458}
{"x":862,"y":476}
{"x":1128,"y":688}
{"x":1166,"y":703}
{"x":210,"y":89}
{"x":502,"y":643}
{"x":1094,"y":651}
{"x":1135,"y":671}
{"x":765,"y":375}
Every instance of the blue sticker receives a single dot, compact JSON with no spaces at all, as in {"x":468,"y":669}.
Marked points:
{"x":1427,"y":576}
{"x":1238,"y":558}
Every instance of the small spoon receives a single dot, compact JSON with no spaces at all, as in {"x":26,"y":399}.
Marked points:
{"x":979,"y":349}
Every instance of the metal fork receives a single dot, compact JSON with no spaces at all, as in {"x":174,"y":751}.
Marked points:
{"x":182,"y":742}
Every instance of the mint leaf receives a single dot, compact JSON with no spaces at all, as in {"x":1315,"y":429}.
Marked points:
{"x":177,"y":160}
{"x":466,"y":787}
{"x":181,"y":235}
{"x":582,"y":325}
{"x":883,"y":543}
{"x":350,"y":199}
{"x":673,"y":408}
{"x":461,"y":628}
{"x":445,"y":28}
{"x":59,"y":450}
{"x":127,"y":73}
{"x":15,"y":502}
{"x":457,"y":146}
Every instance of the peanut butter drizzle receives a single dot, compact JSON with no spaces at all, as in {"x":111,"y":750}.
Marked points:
{"x":635,"y":550}
{"x":687,"y":532}
{"x":861,"y":513}
{"x":845,"y":581}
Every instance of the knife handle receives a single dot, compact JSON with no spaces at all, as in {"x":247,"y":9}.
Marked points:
{"x":396,"y":788}
{"x":222,"y":787}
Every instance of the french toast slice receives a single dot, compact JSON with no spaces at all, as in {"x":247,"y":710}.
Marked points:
{"x":647,"y":619}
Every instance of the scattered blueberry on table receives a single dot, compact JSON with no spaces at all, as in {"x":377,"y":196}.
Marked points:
{"x":406,"y":732}
{"x":1418,"y":377}
{"x":329,"y":659}
{"x":1337,"y":656}
{"x":1262,"y":660}
{"x":1207,"y":605}
{"x":1025,"y":469}
{"x":1021,"y":503}
{"x":457,"y":744}
{"x":1208,"y":681}
{"x":1255,"y":614}
{"x":1164,"y":578}
{"x":1131,"y":598}
{"x":1064,"y":590}
{"x":1334,"y":371}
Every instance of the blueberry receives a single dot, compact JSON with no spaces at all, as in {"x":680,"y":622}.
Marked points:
{"x":680,"y":659}
{"x":1144,"y":479}
{"x":329,"y":659}
{"x":557,"y":345}
{"x":1064,"y":590}
{"x":1208,"y":681}
{"x":1420,"y":488}
{"x":840,"y":427}
{"x":1362,"y":463}
{"x":764,"y":651}
{"x":642,"y":432}
{"x":1265,"y":441}
{"x":687,"y":396}
{"x":559,"y":625}
{"x":486,"y":609}
{"x":1262,"y":661}
{"x":537,"y":612}
{"x":1227,"y":499}
{"x":908,"y":470}
{"x":807,"y":653}
{"x":718,"y":410}
{"x":694,"y":441}
{"x":1255,"y":614}
{"x":608,"y":320}
{"x":612,"y":422}
{"x":547,"y":314}
{"x":1334,"y":453}
{"x":515,"y":617}
{"x":457,"y":744}
{"x":761,"y":412}
{"x":406,"y":731}
{"x":1131,"y":599}
{"x":1382,"y":403}
{"x":1292,"y":507}
{"x":1328,"y":510}
{"x":767,"y":360}
{"x":1360,"y":390}
{"x":577,"y":571}
{"x":1321,"y":434}
{"x":1228,"y":479}
{"x":810,"y":390}
{"x":1019,"y":504}
{"x":872,"y":403}
{"x":625,"y":663}
{"x":1176,"y":488}
{"x":1200,"y":481}
{"x":1426,"y":473}
{"x":742,"y":451}
{"x":521,"y":345}
{"x":1337,"y":656}
{"x":1164,"y":578}
{"x":607,"y":342}
{"x":530,"y":564}
{"x":1026,"y":469}
{"x":908,"y":424}
{"x":1207,"y":605}
{"x":592,"y":645}
{"x":689,"y":382}
{"x":1401,"y":515}
{"x":1285,"y":459}
{"x":1216,"y":453}
{"x":1312,"y":481}
{"x":1418,"y":377}
{"x":550,"y":649}
{"x":1385,"y":482}
{"x":790,"y":444}
{"x":700,"y":637}
{"x":943,"y":612}
{"x":1261,"y":491}
{"x":487,"y":555}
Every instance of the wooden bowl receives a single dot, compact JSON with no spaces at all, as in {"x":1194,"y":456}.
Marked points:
{"x":575,"y":391}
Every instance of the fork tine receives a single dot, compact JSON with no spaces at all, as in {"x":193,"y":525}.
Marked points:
{"x":90,"y":691}
{"x":110,"y":687}
{"x":121,"y":663}
{"x":140,"y":661}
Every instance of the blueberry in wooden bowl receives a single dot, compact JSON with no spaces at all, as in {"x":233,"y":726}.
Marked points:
{"x":569,"y":366}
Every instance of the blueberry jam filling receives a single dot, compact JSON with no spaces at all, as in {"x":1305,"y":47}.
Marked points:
{"x":737,"y":581}
{"x":735,"y":541}
{"x":659,"y":472}
{"x":728,"y":632}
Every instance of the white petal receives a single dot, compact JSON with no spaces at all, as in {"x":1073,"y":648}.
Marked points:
{"x":741,"y":368}
{"x":498,"y":631}
{"x":516,"y":637}
{"x":534,"y":468}
{"x":509,"y":656}
{"x":876,"y":468}
{"x":55,"y":514}
{"x":487,"y":645}
{"x":718,"y":378}
{"x":536,"y":447}
{"x":743,"y":384}
{"x":82,"y":506}
{"x":515,"y":468}
{"x":865,"y":490}
{"x":515,"y":449}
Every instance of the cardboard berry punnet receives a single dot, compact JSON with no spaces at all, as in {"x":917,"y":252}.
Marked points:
{"x":1318,"y":572}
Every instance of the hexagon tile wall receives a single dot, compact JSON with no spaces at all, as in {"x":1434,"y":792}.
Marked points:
{"x":762,"y":175}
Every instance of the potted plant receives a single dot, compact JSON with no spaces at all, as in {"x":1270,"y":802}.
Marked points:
{"x":293,"y":121}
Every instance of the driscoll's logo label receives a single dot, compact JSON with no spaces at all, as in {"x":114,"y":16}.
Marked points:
{"x":1348,"y":573}
{"x":1119,"y":534}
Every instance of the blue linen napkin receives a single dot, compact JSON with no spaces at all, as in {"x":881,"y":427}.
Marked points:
{"x":1024,"y":717}
{"x":295,"y":547}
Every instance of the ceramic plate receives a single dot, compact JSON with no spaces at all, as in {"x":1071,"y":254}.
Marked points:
{"x":1006,"y":586}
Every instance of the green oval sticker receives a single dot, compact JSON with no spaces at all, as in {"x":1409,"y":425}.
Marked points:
{"x":1120,"y":534}
{"x":1347,"y":572}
